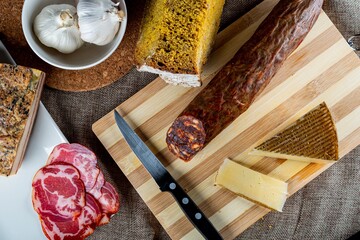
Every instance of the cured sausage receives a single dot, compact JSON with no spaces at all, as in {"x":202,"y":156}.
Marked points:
{"x":235,"y":87}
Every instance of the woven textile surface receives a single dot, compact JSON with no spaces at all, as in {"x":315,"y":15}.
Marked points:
{"x":326,"y":208}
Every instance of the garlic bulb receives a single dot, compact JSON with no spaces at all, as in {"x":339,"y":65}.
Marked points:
{"x":99,"y":20}
{"x":56,"y":26}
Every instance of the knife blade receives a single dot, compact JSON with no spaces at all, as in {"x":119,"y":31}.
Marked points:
{"x":5,"y":56}
{"x":165,"y":181}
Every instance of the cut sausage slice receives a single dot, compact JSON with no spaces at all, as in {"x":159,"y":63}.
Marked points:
{"x":189,"y":135}
{"x":77,"y":229}
{"x":81,"y":158}
{"x":58,"y":192}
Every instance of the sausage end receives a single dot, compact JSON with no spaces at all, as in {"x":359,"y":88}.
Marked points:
{"x":186,"y":137}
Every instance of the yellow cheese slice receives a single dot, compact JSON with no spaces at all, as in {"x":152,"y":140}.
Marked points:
{"x":312,"y":138}
{"x":254,"y":186}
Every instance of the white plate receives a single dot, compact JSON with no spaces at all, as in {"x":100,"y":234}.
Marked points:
{"x":18,"y":220}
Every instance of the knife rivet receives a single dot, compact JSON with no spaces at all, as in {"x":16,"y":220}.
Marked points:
{"x":198,"y":216}
{"x":172,"y":186}
{"x":185,"y":200}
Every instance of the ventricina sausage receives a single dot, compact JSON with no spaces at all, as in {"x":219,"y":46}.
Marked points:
{"x":235,"y":87}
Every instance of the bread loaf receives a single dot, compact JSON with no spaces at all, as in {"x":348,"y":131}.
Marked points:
{"x":176,"y":38}
{"x":20,"y":89}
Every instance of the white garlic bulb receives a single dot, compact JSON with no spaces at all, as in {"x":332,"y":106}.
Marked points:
{"x":99,"y":20}
{"x":56,"y":26}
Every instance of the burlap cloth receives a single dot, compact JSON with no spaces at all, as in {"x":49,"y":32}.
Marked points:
{"x":326,"y":208}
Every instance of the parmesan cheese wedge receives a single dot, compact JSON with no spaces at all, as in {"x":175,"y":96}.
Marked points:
{"x":254,"y":186}
{"x":312,"y":138}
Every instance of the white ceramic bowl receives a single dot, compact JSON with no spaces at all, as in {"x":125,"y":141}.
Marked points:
{"x":85,"y":57}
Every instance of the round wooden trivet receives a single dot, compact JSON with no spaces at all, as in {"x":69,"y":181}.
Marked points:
{"x":109,"y":71}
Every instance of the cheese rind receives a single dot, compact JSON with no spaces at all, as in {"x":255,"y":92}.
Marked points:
{"x":289,"y":157}
{"x":312,"y":138}
{"x":252,"y":185}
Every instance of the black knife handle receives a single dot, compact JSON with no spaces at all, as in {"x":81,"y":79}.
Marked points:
{"x":193,"y":213}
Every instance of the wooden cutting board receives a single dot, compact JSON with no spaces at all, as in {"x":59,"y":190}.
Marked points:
{"x":323,"y":68}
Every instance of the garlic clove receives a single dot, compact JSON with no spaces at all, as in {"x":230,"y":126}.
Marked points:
{"x":99,"y":20}
{"x":56,"y":26}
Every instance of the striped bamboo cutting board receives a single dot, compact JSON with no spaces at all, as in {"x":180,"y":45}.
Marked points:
{"x":323,"y":68}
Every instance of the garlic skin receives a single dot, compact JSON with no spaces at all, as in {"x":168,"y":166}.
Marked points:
{"x":56,"y":26}
{"x":99,"y":20}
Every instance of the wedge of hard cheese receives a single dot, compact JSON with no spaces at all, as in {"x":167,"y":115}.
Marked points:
{"x":20,"y":90}
{"x":254,"y":186}
{"x":312,"y":138}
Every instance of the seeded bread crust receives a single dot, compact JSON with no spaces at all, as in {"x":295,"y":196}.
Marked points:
{"x":19,"y":90}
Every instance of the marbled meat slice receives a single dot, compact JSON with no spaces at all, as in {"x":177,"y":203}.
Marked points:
{"x":96,"y":190}
{"x":109,"y":200}
{"x":105,"y":219}
{"x":79,"y":228}
{"x":80,"y":157}
{"x":73,"y":150}
{"x":58,"y":192}
{"x":94,"y":209}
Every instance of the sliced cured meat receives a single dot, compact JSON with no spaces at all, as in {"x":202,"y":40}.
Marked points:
{"x":96,"y":190}
{"x":72,"y":151}
{"x":109,"y":200}
{"x":58,"y":192}
{"x":71,"y":195}
{"x":81,"y":158}
{"x":78,"y":229}
{"x":105,"y":219}
{"x":93,"y":208}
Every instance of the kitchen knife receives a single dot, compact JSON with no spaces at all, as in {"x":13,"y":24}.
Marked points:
{"x":165,"y":181}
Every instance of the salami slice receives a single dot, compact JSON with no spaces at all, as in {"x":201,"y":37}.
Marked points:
{"x":58,"y":192}
{"x":235,"y":87}
{"x":81,"y":158}
{"x":76,"y":229}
